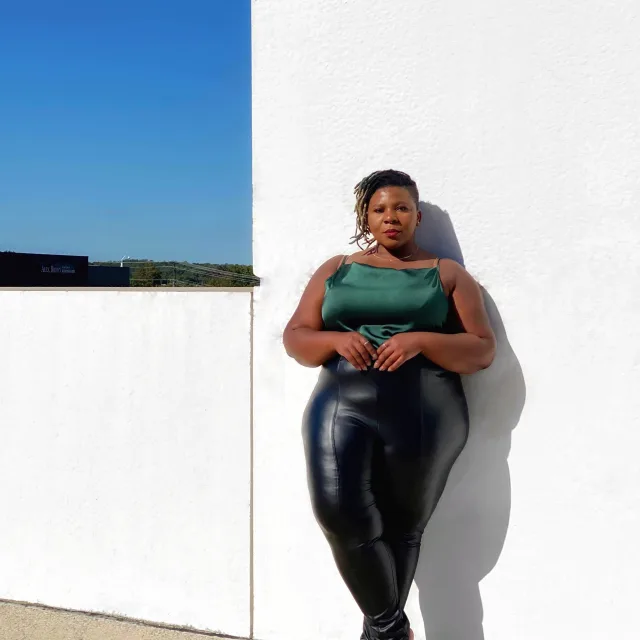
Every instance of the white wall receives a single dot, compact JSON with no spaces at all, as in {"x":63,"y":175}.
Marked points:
{"x":519,"y":122}
{"x":125,"y":453}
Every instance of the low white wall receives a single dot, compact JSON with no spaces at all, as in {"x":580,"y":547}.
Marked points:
{"x":519,"y":122}
{"x":125,"y":453}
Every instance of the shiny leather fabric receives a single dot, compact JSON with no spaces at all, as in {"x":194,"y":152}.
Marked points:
{"x":379,"y":448}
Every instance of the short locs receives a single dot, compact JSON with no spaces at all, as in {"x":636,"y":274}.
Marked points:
{"x":364,"y":191}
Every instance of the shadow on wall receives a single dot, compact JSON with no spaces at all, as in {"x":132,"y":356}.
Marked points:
{"x":436,"y":233}
{"x":464,"y":539}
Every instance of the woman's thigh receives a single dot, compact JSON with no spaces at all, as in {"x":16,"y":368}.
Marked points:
{"x":420,"y":446}
{"x":339,"y":446}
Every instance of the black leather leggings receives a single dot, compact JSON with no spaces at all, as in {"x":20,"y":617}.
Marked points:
{"x":379,"y":448}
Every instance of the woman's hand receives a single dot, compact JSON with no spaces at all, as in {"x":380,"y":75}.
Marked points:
{"x":397,"y":350}
{"x":355,"y":348}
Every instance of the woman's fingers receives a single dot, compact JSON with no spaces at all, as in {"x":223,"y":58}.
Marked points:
{"x":352,"y":361}
{"x":383,"y":356}
{"x":383,"y":347}
{"x":370,"y":349}
{"x":390,"y":358}
{"x":361,"y":354}
{"x":395,"y":363}
{"x":364,"y":352}
{"x":358,"y":358}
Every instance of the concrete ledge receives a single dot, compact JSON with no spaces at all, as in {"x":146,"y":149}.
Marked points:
{"x":24,"y":621}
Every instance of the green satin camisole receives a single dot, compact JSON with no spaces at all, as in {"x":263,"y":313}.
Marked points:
{"x":379,"y":302}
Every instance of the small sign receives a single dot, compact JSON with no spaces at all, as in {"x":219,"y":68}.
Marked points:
{"x":58,"y":268}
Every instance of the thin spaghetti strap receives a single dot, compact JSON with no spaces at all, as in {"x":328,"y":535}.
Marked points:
{"x":438,"y":263}
{"x":344,"y":259}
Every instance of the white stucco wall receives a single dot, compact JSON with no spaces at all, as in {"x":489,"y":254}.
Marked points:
{"x":125,"y":453}
{"x":520,"y":123}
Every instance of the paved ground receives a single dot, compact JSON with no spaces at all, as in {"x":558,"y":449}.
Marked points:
{"x":30,"y":622}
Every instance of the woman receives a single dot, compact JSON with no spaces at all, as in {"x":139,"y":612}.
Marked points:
{"x":388,"y":416}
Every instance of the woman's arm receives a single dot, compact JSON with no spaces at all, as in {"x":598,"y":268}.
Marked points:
{"x":304,"y":339}
{"x":466,"y":352}
{"x":474,"y":349}
{"x":459,"y":352}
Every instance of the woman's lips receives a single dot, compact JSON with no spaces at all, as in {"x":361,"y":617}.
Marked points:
{"x":392,"y":233}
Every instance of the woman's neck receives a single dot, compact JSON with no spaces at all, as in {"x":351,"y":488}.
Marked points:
{"x":401,"y":253}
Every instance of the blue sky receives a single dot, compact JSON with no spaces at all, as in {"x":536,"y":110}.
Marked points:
{"x":125,"y":128}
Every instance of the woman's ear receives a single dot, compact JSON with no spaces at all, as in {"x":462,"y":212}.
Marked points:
{"x":419,"y":218}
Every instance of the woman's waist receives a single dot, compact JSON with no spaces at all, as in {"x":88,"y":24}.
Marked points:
{"x":378,"y":334}
{"x":416,"y":366}
{"x":418,"y":380}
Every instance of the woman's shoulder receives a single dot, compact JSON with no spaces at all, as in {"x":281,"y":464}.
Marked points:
{"x":449,"y":264}
{"x":357,"y":256}
{"x":452,"y":274}
{"x":335,"y":262}
{"x":329,"y":267}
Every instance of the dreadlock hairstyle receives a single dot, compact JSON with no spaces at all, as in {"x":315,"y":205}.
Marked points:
{"x":364,"y":191}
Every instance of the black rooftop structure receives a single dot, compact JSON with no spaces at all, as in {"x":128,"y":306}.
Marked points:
{"x":47,"y":270}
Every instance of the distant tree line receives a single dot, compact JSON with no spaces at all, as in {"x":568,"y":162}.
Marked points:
{"x":149,"y":273}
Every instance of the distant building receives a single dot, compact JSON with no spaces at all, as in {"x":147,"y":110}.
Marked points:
{"x":46,"y":270}
{"x":103,"y":276}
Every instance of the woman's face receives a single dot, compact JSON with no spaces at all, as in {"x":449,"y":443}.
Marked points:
{"x":392,"y":216}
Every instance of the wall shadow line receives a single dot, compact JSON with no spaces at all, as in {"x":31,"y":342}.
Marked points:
{"x":465,"y":537}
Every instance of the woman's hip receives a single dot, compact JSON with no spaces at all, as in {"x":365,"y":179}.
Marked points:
{"x":419,"y":394}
